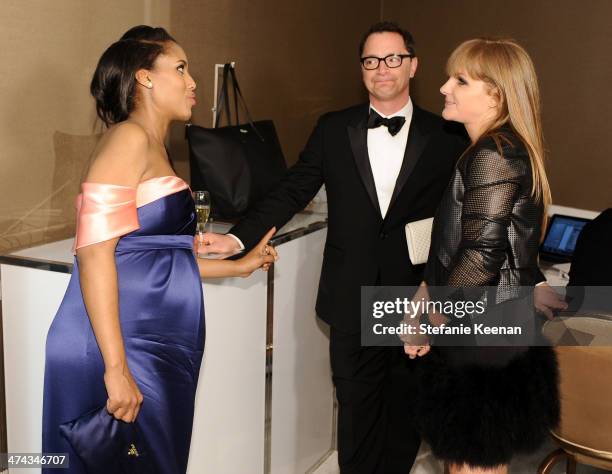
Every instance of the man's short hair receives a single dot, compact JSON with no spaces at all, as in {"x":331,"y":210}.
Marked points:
{"x":388,"y":27}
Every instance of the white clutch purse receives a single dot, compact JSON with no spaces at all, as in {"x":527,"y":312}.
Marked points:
{"x":418,"y":238}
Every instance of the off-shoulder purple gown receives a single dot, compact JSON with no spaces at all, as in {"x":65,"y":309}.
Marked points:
{"x":162,"y":321}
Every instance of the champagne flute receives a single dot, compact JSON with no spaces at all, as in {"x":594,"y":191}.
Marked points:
{"x":202,"y":207}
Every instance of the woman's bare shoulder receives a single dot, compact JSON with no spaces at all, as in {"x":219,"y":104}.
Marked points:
{"x":121,"y":157}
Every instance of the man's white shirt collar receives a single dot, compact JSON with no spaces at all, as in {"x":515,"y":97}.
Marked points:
{"x":405,"y":111}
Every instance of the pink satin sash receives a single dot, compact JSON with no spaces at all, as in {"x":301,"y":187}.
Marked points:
{"x":156,"y":188}
{"x":106,"y":211}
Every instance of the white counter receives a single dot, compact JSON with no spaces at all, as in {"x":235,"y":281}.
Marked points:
{"x":265,"y":398}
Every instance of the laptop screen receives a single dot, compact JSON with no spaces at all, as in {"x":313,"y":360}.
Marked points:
{"x":561,"y":237}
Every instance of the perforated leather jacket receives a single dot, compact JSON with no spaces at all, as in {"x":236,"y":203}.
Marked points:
{"x":487,"y":226}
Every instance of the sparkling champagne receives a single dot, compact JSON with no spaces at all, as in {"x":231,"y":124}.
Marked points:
{"x":202,"y":207}
{"x":202,"y":213}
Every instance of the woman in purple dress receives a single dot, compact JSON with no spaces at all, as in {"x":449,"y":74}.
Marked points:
{"x":129,"y":334}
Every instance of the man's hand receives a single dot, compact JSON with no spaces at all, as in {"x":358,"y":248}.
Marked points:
{"x":217,"y":243}
{"x":547,"y":301}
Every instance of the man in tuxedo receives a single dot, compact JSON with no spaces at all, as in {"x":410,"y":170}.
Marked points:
{"x":384,"y":164}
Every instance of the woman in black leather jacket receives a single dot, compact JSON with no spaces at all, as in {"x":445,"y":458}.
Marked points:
{"x":478,"y":406}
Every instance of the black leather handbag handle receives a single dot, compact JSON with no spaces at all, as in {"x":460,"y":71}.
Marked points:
{"x":223,"y":100}
{"x":238,"y":93}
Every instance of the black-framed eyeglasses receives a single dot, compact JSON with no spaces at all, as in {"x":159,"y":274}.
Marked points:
{"x":392,"y":61}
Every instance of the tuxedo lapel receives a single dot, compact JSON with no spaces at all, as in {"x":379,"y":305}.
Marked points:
{"x":358,"y":137}
{"x":417,"y":139}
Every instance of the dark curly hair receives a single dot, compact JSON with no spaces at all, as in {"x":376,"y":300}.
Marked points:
{"x":113,"y":84}
{"x":388,"y":27}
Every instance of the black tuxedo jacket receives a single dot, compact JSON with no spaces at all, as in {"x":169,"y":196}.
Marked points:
{"x":362,"y":248}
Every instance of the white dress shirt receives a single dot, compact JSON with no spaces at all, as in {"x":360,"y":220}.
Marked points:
{"x":386,"y":154}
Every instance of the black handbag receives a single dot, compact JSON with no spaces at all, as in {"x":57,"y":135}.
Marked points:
{"x":237,"y":164}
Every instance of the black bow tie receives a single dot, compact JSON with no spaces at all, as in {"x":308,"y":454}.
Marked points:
{"x":393,"y":124}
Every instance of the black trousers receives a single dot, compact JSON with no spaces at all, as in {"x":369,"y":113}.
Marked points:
{"x":374,"y":388}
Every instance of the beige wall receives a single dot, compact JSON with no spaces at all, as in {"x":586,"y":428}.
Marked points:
{"x":570,"y":43}
{"x":294,"y":59}
{"x":49,"y":52}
